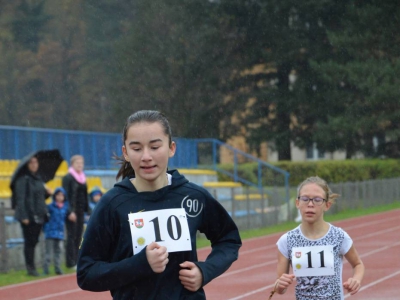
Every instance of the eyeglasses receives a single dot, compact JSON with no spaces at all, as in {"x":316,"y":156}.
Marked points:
{"x":317,"y":200}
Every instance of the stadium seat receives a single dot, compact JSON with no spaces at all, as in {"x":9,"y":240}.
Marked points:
{"x":62,"y":169}
{"x":7,"y":167}
{"x":5,"y":191}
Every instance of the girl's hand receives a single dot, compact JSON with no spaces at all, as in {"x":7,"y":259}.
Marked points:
{"x":352,"y":285}
{"x":283,"y":282}
{"x":190,"y":276}
{"x":25,"y":221}
{"x":157,"y":256}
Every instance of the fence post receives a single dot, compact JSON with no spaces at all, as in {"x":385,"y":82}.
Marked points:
{"x":233,"y":205}
{"x":3,"y":240}
{"x":263,"y":212}
{"x":248,"y":207}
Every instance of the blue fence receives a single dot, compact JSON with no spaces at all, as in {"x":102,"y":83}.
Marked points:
{"x":97,"y":148}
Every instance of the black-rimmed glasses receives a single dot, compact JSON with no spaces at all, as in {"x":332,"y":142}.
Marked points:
{"x":317,"y":200}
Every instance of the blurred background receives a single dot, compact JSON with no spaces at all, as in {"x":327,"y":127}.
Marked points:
{"x":260,"y":94}
{"x":269,"y":77}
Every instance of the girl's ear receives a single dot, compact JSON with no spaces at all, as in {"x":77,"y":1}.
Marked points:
{"x":125,"y":153}
{"x":297,"y":203}
{"x":327,"y":206}
{"x":172,"y":149}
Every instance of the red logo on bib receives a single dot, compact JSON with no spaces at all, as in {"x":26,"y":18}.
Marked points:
{"x":298,"y":254}
{"x":139,"y":223}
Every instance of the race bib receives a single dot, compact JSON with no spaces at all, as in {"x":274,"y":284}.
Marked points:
{"x":313,"y":261}
{"x":167,"y":227}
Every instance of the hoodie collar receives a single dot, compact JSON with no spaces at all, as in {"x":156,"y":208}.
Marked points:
{"x":176,"y":181}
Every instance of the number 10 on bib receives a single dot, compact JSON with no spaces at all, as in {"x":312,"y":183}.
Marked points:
{"x":166,"y":227}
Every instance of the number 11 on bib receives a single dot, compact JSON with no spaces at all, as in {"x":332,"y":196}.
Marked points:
{"x":167,"y":227}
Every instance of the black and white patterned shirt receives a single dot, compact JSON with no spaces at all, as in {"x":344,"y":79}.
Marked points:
{"x":317,"y":264}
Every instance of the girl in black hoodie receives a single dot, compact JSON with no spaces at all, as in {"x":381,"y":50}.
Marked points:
{"x":107,"y":259}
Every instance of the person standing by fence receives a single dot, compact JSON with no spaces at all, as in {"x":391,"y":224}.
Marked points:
{"x":75,"y":186}
{"x":30,"y":195}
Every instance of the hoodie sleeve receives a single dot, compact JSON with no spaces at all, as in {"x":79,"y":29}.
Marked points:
{"x":225,"y":240}
{"x":98,"y":269}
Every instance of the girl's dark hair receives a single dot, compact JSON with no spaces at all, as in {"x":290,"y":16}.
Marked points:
{"x":145,"y":116}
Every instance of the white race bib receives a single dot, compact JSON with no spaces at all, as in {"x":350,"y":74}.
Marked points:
{"x":167,"y":227}
{"x":313,"y":261}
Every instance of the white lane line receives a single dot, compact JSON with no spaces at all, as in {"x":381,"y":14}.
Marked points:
{"x":35,"y":281}
{"x":253,"y":292}
{"x":247,"y":269}
{"x":263,"y":248}
{"x":56,"y":294}
{"x":375,"y":282}
{"x":364,"y":236}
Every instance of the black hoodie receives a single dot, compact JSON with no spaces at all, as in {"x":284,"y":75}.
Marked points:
{"x":106,"y":260}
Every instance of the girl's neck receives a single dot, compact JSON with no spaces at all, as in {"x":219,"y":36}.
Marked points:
{"x":314,"y":230}
{"x":149,"y":186}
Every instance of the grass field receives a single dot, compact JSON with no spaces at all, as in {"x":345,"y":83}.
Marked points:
{"x":13,"y":277}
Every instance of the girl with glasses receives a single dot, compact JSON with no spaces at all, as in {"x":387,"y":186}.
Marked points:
{"x":315,"y":249}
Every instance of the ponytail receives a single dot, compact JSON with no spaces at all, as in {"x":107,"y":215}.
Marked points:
{"x":125,"y":169}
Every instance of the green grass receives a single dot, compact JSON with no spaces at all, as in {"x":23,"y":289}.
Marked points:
{"x":13,"y":277}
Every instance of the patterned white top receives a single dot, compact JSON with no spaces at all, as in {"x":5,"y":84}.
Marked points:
{"x":313,"y":260}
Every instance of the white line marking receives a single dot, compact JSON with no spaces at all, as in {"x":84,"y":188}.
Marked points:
{"x":56,"y":294}
{"x":253,"y":292}
{"x":35,"y":281}
{"x":375,"y":282}
{"x":247,"y":269}
{"x":264,"y":248}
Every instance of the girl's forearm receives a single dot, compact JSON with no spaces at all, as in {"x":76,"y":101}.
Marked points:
{"x":358,"y":272}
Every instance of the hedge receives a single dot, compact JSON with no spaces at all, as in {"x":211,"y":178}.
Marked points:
{"x":333,"y":171}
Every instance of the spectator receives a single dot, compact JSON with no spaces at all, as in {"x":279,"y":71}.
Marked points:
{"x":54,"y":230}
{"x":94,"y":198}
{"x":30,"y":211}
{"x":75,"y":186}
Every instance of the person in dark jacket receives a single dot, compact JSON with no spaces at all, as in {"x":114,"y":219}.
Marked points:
{"x":110,"y":257}
{"x":75,"y":186}
{"x":54,"y":230}
{"x":30,"y":211}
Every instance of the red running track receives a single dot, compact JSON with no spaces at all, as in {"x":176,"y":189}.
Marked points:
{"x":376,"y":237}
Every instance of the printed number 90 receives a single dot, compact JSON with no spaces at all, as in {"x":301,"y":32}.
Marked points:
{"x":193,"y":205}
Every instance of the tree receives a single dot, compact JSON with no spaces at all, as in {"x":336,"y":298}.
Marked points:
{"x":363,"y":73}
{"x":175,"y":60}
{"x":280,"y":40}
{"x":28,"y":23}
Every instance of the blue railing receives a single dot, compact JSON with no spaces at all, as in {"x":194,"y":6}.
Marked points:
{"x":99,"y":148}
{"x":268,"y":178}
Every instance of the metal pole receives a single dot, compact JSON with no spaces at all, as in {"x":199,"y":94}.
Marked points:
{"x":3,"y":240}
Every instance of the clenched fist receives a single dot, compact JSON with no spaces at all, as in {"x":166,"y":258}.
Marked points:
{"x":157,"y":256}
